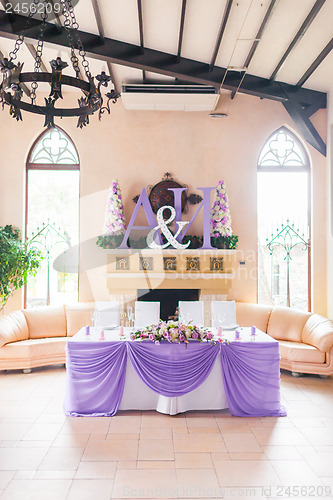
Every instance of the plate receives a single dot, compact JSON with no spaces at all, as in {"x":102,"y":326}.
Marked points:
{"x":230,"y":327}
{"x":111,"y":327}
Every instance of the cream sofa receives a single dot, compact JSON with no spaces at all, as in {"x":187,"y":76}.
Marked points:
{"x":37,"y":337}
{"x":305,"y":339}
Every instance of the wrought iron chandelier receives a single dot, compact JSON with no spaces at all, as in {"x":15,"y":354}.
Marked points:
{"x":90,"y":101}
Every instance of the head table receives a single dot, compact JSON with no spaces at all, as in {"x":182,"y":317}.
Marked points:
{"x":104,"y":376}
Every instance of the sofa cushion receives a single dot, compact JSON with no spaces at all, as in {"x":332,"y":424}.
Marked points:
{"x":303,"y":353}
{"x":47,"y":321}
{"x":13,"y":327}
{"x":318,"y":331}
{"x":253,"y":315}
{"x":287,"y":324}
{"x":78,"y":316}
{"x":34,"y":348}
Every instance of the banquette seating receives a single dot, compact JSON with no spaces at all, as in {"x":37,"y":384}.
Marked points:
{"x":37,"y":337}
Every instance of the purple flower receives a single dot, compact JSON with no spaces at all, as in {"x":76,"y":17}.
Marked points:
{"x":114,"y":190}
{"x":195,"y":335}
{"x":165,"y":335}
{"x":216,"y":235}
{"x":151,"y":336}
{"x":220,"y":182}
{"x":181,"y":337}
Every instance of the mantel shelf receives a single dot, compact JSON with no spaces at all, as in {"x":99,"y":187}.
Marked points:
{"x":171,"y":275}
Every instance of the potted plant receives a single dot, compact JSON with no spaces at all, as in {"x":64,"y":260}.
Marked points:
{"x":17,"y":262}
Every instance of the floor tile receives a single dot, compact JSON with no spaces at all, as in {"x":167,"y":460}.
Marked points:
{"x":111,"y":450}
{"x":36,"y":490}
{"x":22,"y":458}
{"x":156,"y":433}
{"x":295,"y":472}
{"x":150,"y":483}
{"x":85,"y":489}
{"x":241,"y":442}
{"x":186,"y":443}
{"x":156,"y":449}
{"x":246,"y":473}
{"x":96,"y":470}
{"x":197,"y":483}
{"x":62,"y":459}
{"x":193,"y":461}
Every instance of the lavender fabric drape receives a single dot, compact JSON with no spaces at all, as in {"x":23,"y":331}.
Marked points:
{"x":95,"y":378}
{"x":172,"y":369}
{"x":96,"y":374}
{"x":251,"y":377}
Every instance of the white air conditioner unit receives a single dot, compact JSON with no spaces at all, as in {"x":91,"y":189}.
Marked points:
{"x":153,"y":97}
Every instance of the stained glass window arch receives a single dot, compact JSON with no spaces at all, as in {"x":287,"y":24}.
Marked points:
{"x":284,"y":204}
{"x":283,"y":151}
{"x":53,"y":148}
{"x":52,"y":217}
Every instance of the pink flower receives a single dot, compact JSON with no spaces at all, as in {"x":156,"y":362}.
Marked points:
{"x":181,"y":337}
{"x":195,"y":335}
{"x":151,"y":336}
{"x":209,"y":336}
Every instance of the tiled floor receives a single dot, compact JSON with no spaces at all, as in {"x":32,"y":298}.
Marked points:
{"x":44,"y":455}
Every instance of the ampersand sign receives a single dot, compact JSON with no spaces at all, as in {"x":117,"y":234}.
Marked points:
{"x":162,"y":225}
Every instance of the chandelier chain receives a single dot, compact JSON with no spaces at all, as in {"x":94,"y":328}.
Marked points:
{"x":70,"y":24}
{"x":39,"y":52}
{"x":20,"y":38}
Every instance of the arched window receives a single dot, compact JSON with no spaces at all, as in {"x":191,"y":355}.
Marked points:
{"x":52,"y":217}
{"x":284,"y":232}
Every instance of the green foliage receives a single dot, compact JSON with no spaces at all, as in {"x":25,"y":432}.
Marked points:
{"x":17,"y":262}
{"x":114,"y":240}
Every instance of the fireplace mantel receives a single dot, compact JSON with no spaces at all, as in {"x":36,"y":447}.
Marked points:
{"x":129,"y":270}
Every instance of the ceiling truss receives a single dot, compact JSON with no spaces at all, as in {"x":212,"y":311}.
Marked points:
{"x":299,"y":102}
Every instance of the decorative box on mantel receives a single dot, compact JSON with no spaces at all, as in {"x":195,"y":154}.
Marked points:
{"x":207,"y":270}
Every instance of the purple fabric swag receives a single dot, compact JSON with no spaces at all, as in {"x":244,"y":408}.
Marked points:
{"x":96,"y":374}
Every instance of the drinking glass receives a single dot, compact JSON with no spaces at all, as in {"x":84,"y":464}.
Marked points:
{"x":130,"y":315}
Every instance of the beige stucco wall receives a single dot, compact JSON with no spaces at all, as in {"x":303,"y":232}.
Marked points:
{"x":138,"y":147}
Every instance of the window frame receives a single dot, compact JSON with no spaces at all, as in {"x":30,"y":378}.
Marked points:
{"x":306,"y":168}
{"x":30,"y":166}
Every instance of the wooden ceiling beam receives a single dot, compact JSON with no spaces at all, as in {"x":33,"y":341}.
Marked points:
{"x":127,"y":54}
{"x":260,"y":33}
{"x":294,"y":98}
{"x":181,"y":29}
{"x":324,"y":53}
{"x":140,"y":19}
{"x":300,"y":33}
{"x":221,"y":33}
{"x":100,"y":27}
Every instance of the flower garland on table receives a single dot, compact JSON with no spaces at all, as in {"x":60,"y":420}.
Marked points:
{"x":172,"y":331}
{"x":220,"y":220}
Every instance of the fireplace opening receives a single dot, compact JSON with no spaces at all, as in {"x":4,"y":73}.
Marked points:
{"x":168,"y":299}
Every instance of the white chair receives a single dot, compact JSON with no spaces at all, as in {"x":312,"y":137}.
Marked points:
{"x":223,"y":313}
{"x":191,"y":311}
{"x":146,"y":313}
{"x":107,"y":313}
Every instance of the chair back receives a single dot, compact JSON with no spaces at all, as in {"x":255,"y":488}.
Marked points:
{"x":146,"y":313}
{"x":191,"y":311}
{"x":107,"y":313}
{"x":223,"y":313}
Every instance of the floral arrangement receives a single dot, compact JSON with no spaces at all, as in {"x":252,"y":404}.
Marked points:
{"x":172,"y":331}
{"x":220,"y":221}
{"x":114,"y":220}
